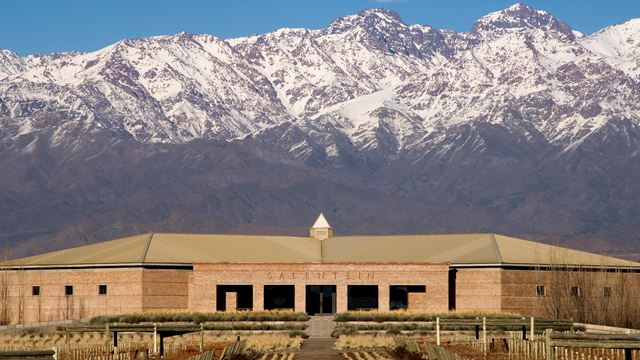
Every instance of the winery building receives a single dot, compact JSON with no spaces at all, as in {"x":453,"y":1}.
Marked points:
{"x":319,"y":274}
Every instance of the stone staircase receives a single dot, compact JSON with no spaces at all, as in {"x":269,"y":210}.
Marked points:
{"x":320,"y":344}
{"x":320,"y":326}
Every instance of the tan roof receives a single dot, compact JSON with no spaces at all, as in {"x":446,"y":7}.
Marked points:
{"x":457,"y":249}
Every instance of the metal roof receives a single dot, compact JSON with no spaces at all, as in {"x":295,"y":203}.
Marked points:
{"x":186,"y":249}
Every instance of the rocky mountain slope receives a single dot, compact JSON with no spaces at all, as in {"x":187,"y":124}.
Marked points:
{"x":521,"y":125}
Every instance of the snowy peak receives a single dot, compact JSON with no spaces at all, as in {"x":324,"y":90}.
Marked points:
{"x":367,"y":19}
{"x":384,"y":85}
{"x":10,"y":63}
{"x":521,"y":16}
{"x":619,"y":45}
{"x":382,"y":30}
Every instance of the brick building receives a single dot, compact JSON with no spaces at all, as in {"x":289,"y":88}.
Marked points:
{"x":319,"y":274}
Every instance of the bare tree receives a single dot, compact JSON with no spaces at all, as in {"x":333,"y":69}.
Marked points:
{"x":5,"y":291}
{"x":596,"y":294}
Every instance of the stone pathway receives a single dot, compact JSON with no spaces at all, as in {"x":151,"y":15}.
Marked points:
{"x":317,"y":349}
{"x":320,"y":344}
{"x":320,"y":326}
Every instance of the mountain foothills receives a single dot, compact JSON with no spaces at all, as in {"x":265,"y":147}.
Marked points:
{"x":520,"y":126}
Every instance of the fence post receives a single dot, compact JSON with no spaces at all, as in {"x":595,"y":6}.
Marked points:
{"x":66,"y":340}
{"x":201,"y":337}
{"x":484,"y":335}
{"x":155,"y":338}
{"x":107,"y":335}
{"x":533,"y":330}
{"x":547,"y":340}
{"x":438,"y":331}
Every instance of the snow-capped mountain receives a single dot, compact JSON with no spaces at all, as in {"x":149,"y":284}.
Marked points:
{"x":521,"y":122}
{"x":619,"y":45}
{"x":366,"y":73}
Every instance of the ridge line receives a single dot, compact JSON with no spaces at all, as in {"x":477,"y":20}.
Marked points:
{"x":146,"y":248}
{"x":494,"y":243}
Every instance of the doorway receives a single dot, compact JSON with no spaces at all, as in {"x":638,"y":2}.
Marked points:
{"x":243,"y":297}
{"x":321,"y":299}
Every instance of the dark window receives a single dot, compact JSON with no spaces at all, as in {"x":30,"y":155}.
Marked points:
{"x":362,"y":297}
{"x":399,"y":295}
{"x":607,"y":291}
{"x":576,"y":291}
{"x":243,"y":297}
{"x":68,"y":290}
{"x":35,"y":290}
{"x":102,"y":289}
{"x":279,"y":297}
{"x":541,"y":290}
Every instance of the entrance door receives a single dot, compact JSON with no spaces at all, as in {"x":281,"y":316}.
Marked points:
{"x":321,"y":299}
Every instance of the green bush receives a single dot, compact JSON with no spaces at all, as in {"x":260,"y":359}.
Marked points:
{"x":384,"y":316}
{"x":195,"y":317}
{"x":394,"y":330}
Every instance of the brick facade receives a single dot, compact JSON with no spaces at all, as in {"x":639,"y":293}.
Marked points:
{"x":478,"y":289}
{"x":147,"y":289}
{"x":127,"y":290}
{"x":206,"y":277}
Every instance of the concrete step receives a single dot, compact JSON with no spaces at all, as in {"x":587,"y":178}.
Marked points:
{"x":320,"y":326}
{"x":318,"y":349}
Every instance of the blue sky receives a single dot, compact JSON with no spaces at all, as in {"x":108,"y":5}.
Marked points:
{"x":29,"y":26}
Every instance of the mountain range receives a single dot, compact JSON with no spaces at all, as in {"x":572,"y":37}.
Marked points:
{"x":520,"y":126}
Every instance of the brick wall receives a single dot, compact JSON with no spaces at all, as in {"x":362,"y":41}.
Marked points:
{"x":165,"y":289}
{"x":144,"y":290}
{"x":205,"y":277}
{"x":124,"y":293}
{"x":478,"y":289}
{"x":128,"y":290}
{"x":519,"y":291}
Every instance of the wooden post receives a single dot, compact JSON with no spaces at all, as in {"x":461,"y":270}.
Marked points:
{"x":161,"y":344}
{"x":547,"y":340}
{"x":107,"y":335}
{"x":155,"y":338}
{"x":484,"y":335}
{"x":533,"y":330}
{"x":201,"y":337}
{"x":66,"y":340}
{"x":438,"y":331}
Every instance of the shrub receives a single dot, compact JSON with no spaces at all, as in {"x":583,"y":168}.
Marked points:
{"x":399,"y":315}
{"x":199,"y":317}
{"x":393,"y":330}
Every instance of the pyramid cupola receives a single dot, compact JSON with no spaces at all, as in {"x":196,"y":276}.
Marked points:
{"x":321,"y":229}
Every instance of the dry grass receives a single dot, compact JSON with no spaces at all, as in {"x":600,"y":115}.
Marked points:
{"x":52,"y":338}
{"x":45,"y":339}
{"x":273,"y":342}
{"x":360,"y":341}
